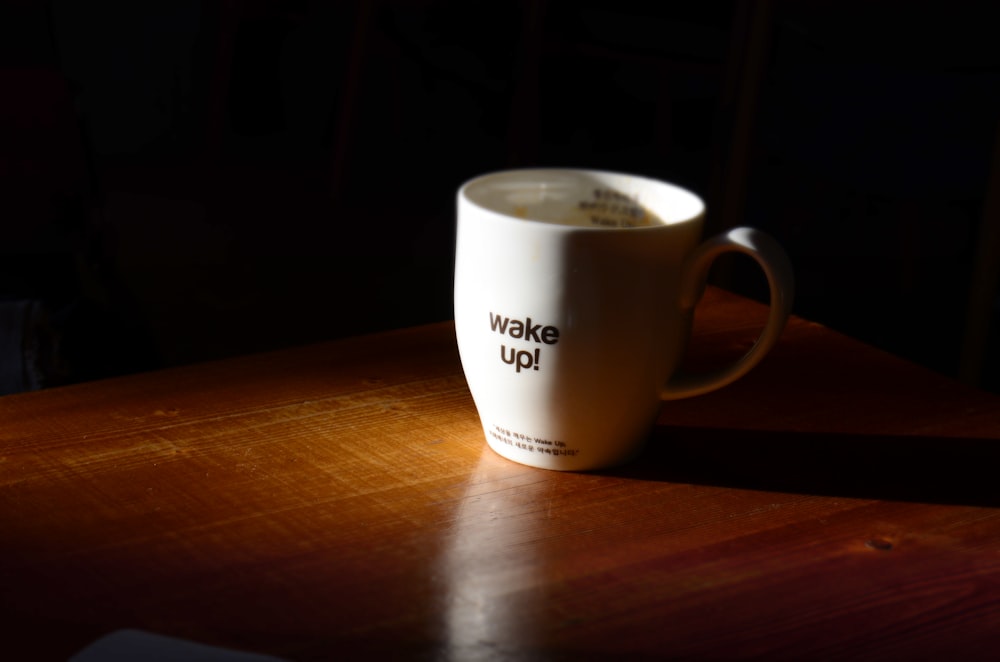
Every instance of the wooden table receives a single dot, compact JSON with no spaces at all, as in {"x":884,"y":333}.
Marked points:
{"x":338,"y":502}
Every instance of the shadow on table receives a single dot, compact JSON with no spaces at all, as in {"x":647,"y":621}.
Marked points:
{"x":893,"y":468}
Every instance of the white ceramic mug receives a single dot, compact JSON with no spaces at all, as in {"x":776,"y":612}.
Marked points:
{"x":574,"y":295}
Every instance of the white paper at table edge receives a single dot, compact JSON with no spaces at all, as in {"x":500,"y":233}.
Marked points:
{"x":130,"y":645}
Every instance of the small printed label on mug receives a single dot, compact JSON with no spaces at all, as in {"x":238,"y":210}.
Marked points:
{"x":532,"y":444}
{"x":610,"y":208}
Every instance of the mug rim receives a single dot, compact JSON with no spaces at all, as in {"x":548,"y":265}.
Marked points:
{"x":688,"y":196}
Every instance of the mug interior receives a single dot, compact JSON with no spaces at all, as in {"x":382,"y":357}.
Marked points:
{"x":583,"y":198}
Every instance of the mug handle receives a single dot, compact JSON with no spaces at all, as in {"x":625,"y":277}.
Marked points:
{"x":778,"y":269}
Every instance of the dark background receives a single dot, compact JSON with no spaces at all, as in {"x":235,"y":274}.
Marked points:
{"x":182,"y":180}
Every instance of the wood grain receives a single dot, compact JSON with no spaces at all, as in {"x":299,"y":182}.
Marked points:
{"x":338,"y":502}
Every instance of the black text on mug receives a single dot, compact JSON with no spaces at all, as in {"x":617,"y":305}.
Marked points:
{"x":523,"y":359}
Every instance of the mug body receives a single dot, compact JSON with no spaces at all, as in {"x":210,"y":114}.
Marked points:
{"x":566,"y":309}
